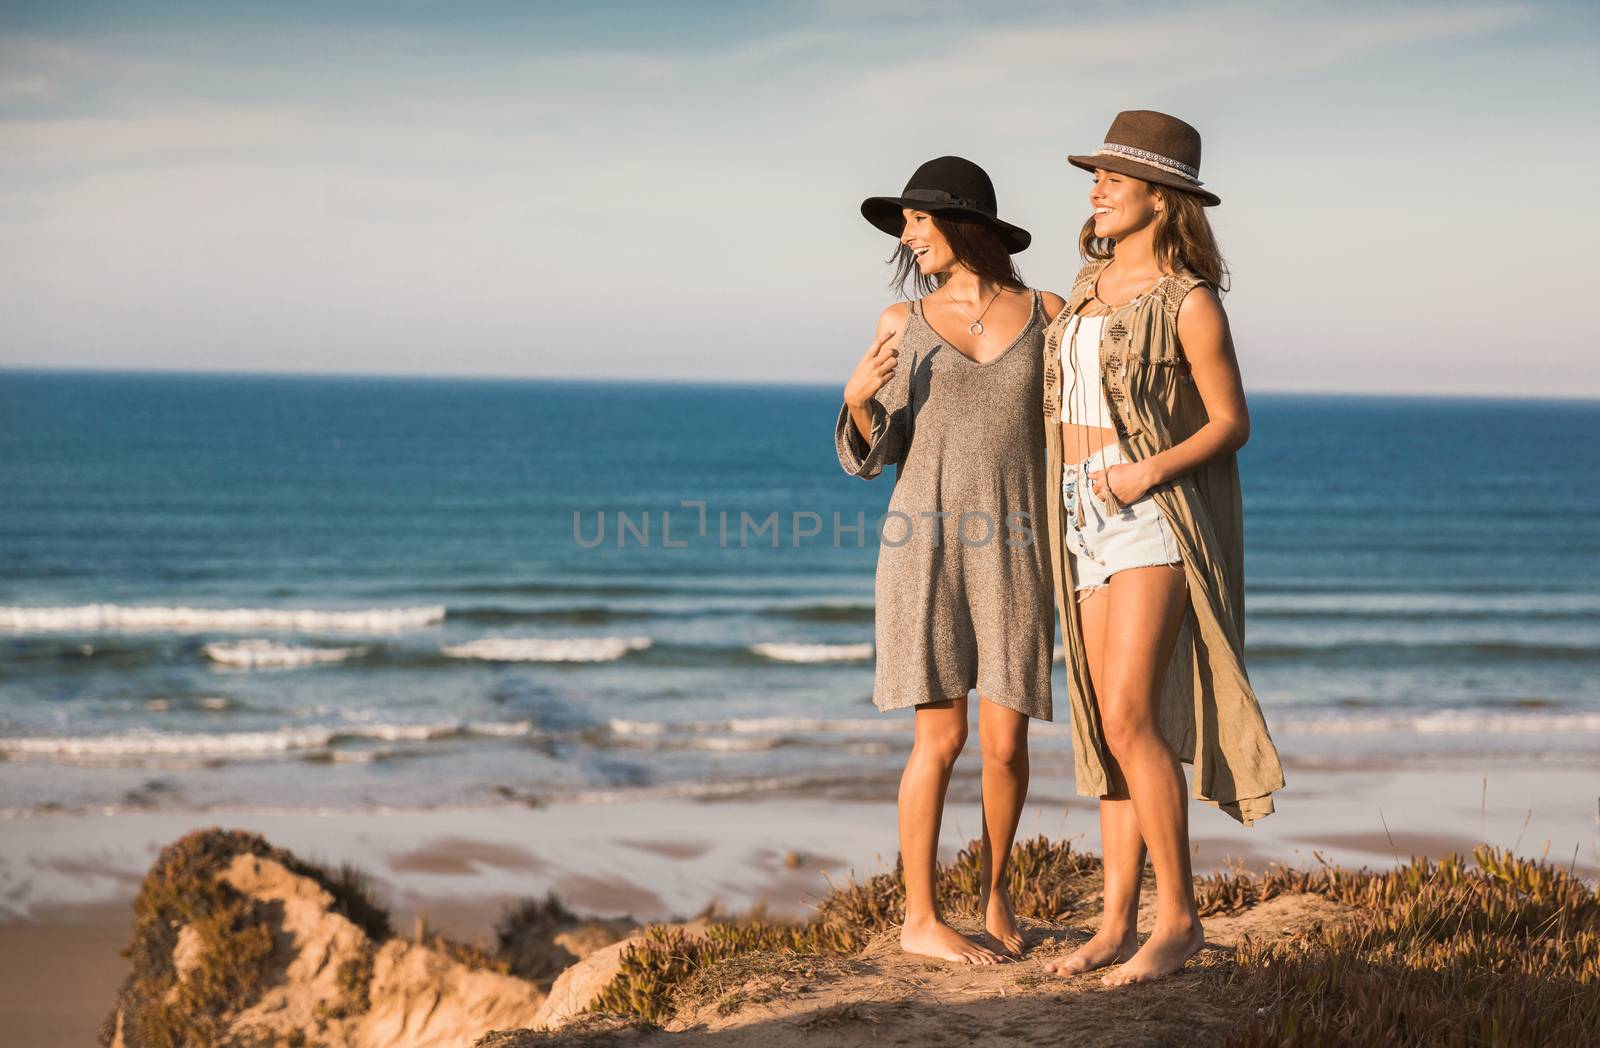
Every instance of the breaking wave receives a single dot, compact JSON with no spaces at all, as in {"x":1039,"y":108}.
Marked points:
{"x":547,"y":649}
{"x":781,"y":652}
{"x":1444,"y":722}
{"x":121,"y":616}
{"x":269,"y":654}
{"x":150,"y":743}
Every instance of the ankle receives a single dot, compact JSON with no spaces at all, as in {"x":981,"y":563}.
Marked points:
{"x":1119,"y":931}
{"x":921,"y":921}
{"x":1184,"y":923}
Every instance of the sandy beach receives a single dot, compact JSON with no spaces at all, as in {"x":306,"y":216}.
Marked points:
{"x":66,"y":881}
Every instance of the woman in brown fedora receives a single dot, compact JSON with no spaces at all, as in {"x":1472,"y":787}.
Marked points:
{"x":948,"y":393}
{"x":1144,"y":411}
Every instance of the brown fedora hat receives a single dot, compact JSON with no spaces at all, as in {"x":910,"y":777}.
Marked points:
{"x":1152,"y":146}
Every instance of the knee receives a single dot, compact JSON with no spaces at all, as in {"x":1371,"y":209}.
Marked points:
{"x":943,"y":744}
{"x":1004,"y":749}
{"x":1124,"y":728}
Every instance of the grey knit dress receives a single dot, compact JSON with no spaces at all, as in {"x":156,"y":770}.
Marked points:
{"x":964,"y":597}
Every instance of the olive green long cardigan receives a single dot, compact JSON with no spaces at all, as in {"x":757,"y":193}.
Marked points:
{"x":1208,"y":711}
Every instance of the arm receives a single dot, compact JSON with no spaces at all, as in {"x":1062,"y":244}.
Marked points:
{"x":1208,"y":346}
{"x":874,"y":425}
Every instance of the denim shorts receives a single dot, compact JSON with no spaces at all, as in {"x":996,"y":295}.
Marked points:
{"x":1107,"y":543}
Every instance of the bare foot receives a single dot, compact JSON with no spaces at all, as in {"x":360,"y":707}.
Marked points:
{"x":937,"y":939}
{"x":1000,"y":921}
{"x":1105,"y":948}
{"x":1166,"y":951}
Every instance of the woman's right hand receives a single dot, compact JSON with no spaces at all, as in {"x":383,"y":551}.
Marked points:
{"x":873,"y":371}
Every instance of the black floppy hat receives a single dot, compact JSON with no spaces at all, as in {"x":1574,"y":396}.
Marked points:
{"x":946,"y":185}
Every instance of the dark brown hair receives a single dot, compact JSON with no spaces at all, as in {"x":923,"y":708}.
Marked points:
{"x":975,"y":245}
{"x":1183,"y":238}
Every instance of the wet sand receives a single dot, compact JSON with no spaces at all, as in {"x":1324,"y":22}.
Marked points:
{"x":59,"y":972}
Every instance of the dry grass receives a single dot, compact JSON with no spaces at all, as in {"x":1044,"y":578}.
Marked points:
{"x":1505,"y":952}
{"x":756,"y":978}
{"x":469,"y":954}
{"x":523,"y":936}
{"x":182,"y":888}
{"x":355,"y":984}
{"x":1490,"y":951}
{"x":1048,"y":880}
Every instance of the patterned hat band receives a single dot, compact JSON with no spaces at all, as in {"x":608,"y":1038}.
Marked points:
{"x":1144,"y":156}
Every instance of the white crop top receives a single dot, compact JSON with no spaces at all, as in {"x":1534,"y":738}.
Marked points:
{"x":1083,"y":402}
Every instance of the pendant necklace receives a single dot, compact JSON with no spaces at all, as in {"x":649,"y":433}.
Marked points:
{"x":976,"y":327}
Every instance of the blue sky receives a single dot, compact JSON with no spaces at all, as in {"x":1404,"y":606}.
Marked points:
{"x":670,"y":191}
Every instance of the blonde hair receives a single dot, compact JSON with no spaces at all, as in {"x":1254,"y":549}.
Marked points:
{"x":1183,"y":238}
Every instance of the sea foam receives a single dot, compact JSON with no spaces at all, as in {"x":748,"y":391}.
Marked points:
{"x":149,"y":743}
{"x":787,"y":652}
{"x":547,"y":649}
{"x":259,"y":654}
{"x":120,"y":616}
{"x":759,"y":726}
{"x":1443,"y":722}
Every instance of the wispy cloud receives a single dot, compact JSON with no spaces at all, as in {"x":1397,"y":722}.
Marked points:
{"x":378,"y":182}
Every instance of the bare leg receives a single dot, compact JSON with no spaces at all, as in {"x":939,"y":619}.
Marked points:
{"x":1003,"y":734}
{"x":941,"y":733}
{"x":1146,"y":611}
{"x":1121,"y":846}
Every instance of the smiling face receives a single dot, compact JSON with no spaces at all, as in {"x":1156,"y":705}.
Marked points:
{"x":926,"y":243}
{"x":931,"y":249}
{"x":1122,"y":204}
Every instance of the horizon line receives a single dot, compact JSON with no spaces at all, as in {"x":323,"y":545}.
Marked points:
{"x":427,"y":376}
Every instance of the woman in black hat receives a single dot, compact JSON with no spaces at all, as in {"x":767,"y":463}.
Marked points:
{"x":948,"y":393}
{"x":1145,"y":410}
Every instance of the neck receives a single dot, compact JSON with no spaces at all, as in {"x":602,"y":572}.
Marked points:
{"x":964,"y":284}
{"x":1136,"y":252}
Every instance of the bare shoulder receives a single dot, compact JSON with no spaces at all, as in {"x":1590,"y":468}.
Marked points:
{"x":892,"y":321}
{"x":1201,"y":305}
{"x":894,"y":318}
{"x":1053,"y":304}
{"x":1202,"y":324}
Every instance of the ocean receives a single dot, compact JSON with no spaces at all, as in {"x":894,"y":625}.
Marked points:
{"x":315,"y":593}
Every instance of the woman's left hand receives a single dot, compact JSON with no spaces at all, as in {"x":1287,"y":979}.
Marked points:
{"x":1128,"y":481}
